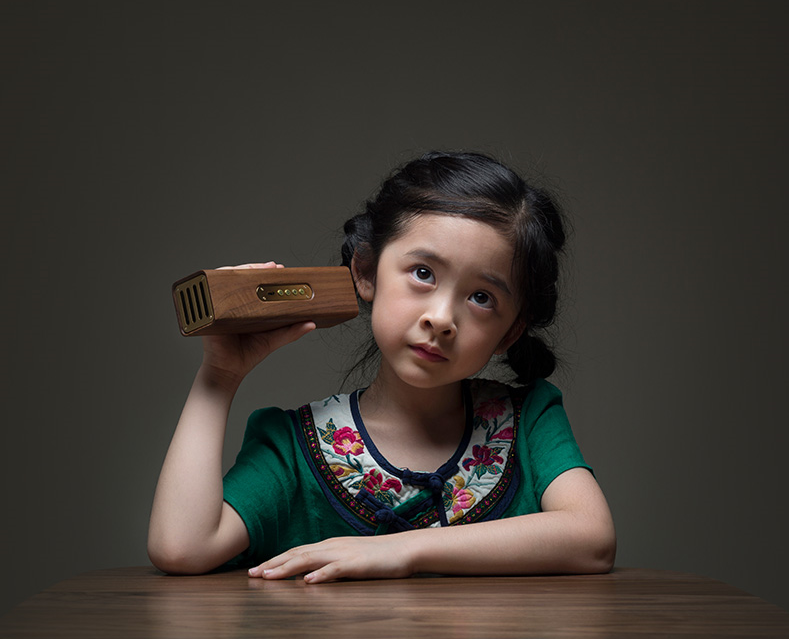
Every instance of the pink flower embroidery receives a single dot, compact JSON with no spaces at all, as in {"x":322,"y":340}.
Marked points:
{"x":504,"y":433}
{"x":483,"y":456}
{"x":462,"y":499}
{"x":458,"y":499}
{"x":373,"y":482}
{"x":491,"y":408}
{"x":347,"y":442}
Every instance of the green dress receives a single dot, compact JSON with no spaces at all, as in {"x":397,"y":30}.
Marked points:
{"x":306,"y":475}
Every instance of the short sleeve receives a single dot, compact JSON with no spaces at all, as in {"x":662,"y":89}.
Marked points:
{"x":273,"y":490}
{"x":546,"y":445}
{"x":259,"y":484}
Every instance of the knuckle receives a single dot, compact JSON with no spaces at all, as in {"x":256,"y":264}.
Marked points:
{"x":331,"y":570}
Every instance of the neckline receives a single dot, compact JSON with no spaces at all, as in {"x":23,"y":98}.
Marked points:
{"x":446,"y":470}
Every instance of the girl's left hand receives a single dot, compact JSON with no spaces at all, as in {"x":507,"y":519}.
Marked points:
{"x":380,"y":557}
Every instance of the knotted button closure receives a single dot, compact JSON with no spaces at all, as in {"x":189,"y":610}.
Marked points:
{"x":433,"y":481}
{"x":436,"y":483}
{"x":385,"y":516}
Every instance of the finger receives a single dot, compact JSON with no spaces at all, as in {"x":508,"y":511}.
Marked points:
{"x":267,"y":570}
{"x":271,"y":264}
{"x":256,"y":571}
{"x":299,"y":564}
{"x":277,"y":561}
{"x":273,"y":562}
{"x":329,"y":572}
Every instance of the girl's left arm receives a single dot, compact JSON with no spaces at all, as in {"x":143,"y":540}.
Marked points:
{"x":574,"y":533}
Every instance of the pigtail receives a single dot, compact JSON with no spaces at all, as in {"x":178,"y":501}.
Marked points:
{"x":530,"y":358}
{"x":540,"y":243}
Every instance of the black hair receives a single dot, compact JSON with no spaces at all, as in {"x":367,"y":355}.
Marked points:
{"x":478,"y":187}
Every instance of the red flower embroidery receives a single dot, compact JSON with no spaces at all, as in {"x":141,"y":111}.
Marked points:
{"x":483,"y":456}
{"x":373,"y":482}
{"x":340,"y":471}
{"x":347,"y":442}
{"x":491,"y":408}
{"x":504,"y":433}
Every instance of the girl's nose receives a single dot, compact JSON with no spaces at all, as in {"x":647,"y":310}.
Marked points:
{"x":439,"y":318}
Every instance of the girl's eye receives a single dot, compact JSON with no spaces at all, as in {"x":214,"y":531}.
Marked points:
{"x":482,"y":299}
{"x":422,"y":274}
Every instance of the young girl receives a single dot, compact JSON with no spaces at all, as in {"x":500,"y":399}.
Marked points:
{"x":425,"y":470}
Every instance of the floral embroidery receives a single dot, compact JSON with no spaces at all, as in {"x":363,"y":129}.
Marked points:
{"x":341,"y":471}
{"x":484,"y":460}
{"x":504,"y":433}
{"x":348,"y":442}
{"x":457,"y":498}
{"x":491,"y":408}
{"x":375,"y":484}
{"x":483,"y":477}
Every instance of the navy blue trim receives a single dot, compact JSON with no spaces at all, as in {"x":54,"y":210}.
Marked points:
{"x":506,"y":499}
{"x":497,"y":506}
{"x":446,"y":471}
{"x":368,"y":441}
{"x":468,"y":406}
{"x":338,"y":506}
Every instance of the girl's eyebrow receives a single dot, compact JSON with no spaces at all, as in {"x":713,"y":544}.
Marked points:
{"x":496,"y":281}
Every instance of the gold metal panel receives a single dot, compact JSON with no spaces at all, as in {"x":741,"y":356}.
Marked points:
{"x":193,"y":301}
{"x":284,"y":292}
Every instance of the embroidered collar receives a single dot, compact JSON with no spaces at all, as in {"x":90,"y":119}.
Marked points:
{"x":476,"y":483}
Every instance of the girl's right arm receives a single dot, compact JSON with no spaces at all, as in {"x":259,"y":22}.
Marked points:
{"x":192,"y":530}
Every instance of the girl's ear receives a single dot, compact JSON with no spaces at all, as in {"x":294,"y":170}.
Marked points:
{"x":364,"y":287}
{"x":512,"y":336}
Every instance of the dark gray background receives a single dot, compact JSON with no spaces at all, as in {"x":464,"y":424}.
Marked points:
{"x":143,"y":142}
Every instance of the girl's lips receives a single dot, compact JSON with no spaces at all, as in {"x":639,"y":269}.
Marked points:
{"x":425,"y":352}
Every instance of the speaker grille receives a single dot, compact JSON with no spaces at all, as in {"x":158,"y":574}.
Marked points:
{"x":193,"y":301}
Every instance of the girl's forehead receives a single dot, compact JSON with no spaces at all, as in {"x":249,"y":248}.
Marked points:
{"x":446,"y":227}
{"x":458,"y":240}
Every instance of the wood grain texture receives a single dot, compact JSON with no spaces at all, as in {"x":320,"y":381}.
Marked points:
{"x":237,"y":308}
{"x":141,"y":602}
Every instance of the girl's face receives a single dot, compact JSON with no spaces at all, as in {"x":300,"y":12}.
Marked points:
{"x":443,"y":301}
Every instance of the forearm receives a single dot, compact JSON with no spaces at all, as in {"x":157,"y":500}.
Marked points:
{"x":187,"y":506}
{"x":547,"y":542}
{"x":574,"y":533}
{"x":542,"y":543}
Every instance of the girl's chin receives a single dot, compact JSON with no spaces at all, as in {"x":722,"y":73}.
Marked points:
{"x":420,"y":378}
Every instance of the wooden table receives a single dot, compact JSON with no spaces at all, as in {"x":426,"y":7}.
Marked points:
{"x":141,"y":602}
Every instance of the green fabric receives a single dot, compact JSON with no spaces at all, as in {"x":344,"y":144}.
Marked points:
{"x":545,"y":447}
{"x":273,"y":489}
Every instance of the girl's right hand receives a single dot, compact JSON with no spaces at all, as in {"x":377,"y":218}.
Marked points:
{"x":231,"y":357}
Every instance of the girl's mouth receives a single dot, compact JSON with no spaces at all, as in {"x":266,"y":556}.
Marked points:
{"x":424,"y":351}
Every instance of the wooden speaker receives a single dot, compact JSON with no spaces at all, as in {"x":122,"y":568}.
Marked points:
{"x":248,"y":300}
